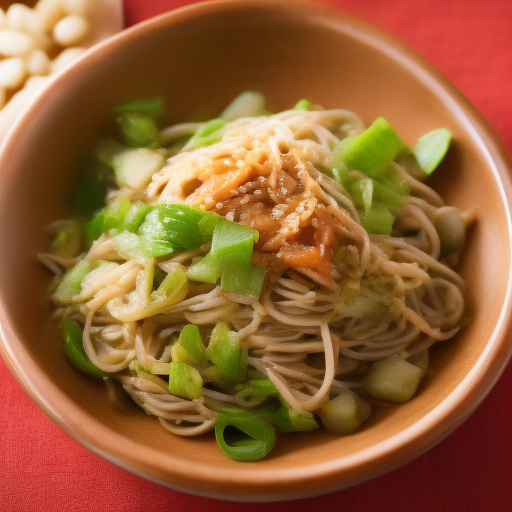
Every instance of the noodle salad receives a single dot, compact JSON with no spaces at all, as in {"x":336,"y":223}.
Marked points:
{"x":257,"y":272}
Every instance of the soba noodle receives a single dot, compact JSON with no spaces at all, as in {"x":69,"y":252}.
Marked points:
{"x":335,"y":298}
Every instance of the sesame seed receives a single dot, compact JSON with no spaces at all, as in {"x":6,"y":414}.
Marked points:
{"x":242,"y":189}
{"x":208,"y":199}
{"x":257,"y":192}
{"x":284,"y":191}
{"x":218,"y":205}
{"x":227,"y":162}
{"x":240,"y":164}
{"x":201,"y":206}
{"x":234,"y":192}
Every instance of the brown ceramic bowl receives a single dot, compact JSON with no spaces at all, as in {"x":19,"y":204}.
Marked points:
{"x":199,"y":58}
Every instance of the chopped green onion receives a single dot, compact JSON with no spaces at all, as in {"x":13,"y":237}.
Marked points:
{"x":115,"y":214}
{"x":286,"y":419}
{"x":361,"y":190}
{"x":135,"y":216}
{"x":171,"y":291}
{"x":378,"y":219}
{"x":133,"y":167}
{"x":139,"y":130}
{"x":233,"y":242}
{"x":67,"y":242}
{"x":71,"y":284}
{"x":247,"y":280}
{"x":247,"y":104}
{"x":184,"y":380}
{"x":431,"y":149}
{"x":189,"y":348}
{"x":208,"y":134}
{"x":94,"y":229}
{"x":353,"y":304}
{"x":153,"y":107}
{"x":171,"y":228}
{"x":225,"y":352}
{"x":371,"y":151}
{"x":253,"y":438}
{"x":303,"y":105}
{"x":206,"y":270}
{"x":111,"y":218}
{"x":230,"y":257}
{"x":276,"y":411}
{"x":74,"y":348}
{"x":207,"y":224}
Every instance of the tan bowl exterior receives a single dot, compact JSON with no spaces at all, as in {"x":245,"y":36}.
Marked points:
{"x":199,"y":58}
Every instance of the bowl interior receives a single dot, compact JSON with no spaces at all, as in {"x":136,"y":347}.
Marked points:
{"x":199,"y":59}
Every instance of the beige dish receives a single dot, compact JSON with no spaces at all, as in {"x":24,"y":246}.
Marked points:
{"x":199,"y":58}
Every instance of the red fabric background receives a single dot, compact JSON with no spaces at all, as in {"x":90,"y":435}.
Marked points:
{"x":42,"y":469}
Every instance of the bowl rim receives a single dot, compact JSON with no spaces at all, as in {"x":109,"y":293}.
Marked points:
{"x":393,"y":452}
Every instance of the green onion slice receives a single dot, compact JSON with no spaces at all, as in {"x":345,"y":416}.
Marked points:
{"x":242,"y":436}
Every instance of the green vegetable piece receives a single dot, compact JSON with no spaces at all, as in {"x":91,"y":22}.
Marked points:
{"x":171,"y":228}
{"x":206,"y":270}
{"x":133,"y":167}
{"x":94,"y":229}
{"x":173,"y":290}
{"x":91,"y":190}
{"x":227,"y":355}
{"x":184,"y":380}
{"x":233,"y":242}
{"x":135,"y":216}
{"x":378,"y":219}
{"x":361,"y":191}
{"x":74,"y":348}
{"x":303,"y":105}
{"x":139,"y":130}
{"x":301,"y":422}
{"x":115,"y":214}
{"x":345,"y":413}
{"x":431,"y":149}
{"x":68,"y":240}
{"x":71,"y":284}
{"x":242,"y":436}
{"x":208,"y":134}
{"x":277,"y":412}
{"x":247,"y":104}
{"x":393,"y":378}
{"x":371,"y":151}
{"x":207,"y":224}
{"x":242,"y":279}
{"x":255,"y":392}
{"x":353,"y":304}
{"x":286,"y":419}
{"x":393,"y":182}
{"x":153,"y":107}
{"x":189,"y":348}
{"x":172,"y":281}
{"x":129,"y":245}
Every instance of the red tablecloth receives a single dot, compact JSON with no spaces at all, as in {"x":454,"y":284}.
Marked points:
{"x":42,"y":469}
